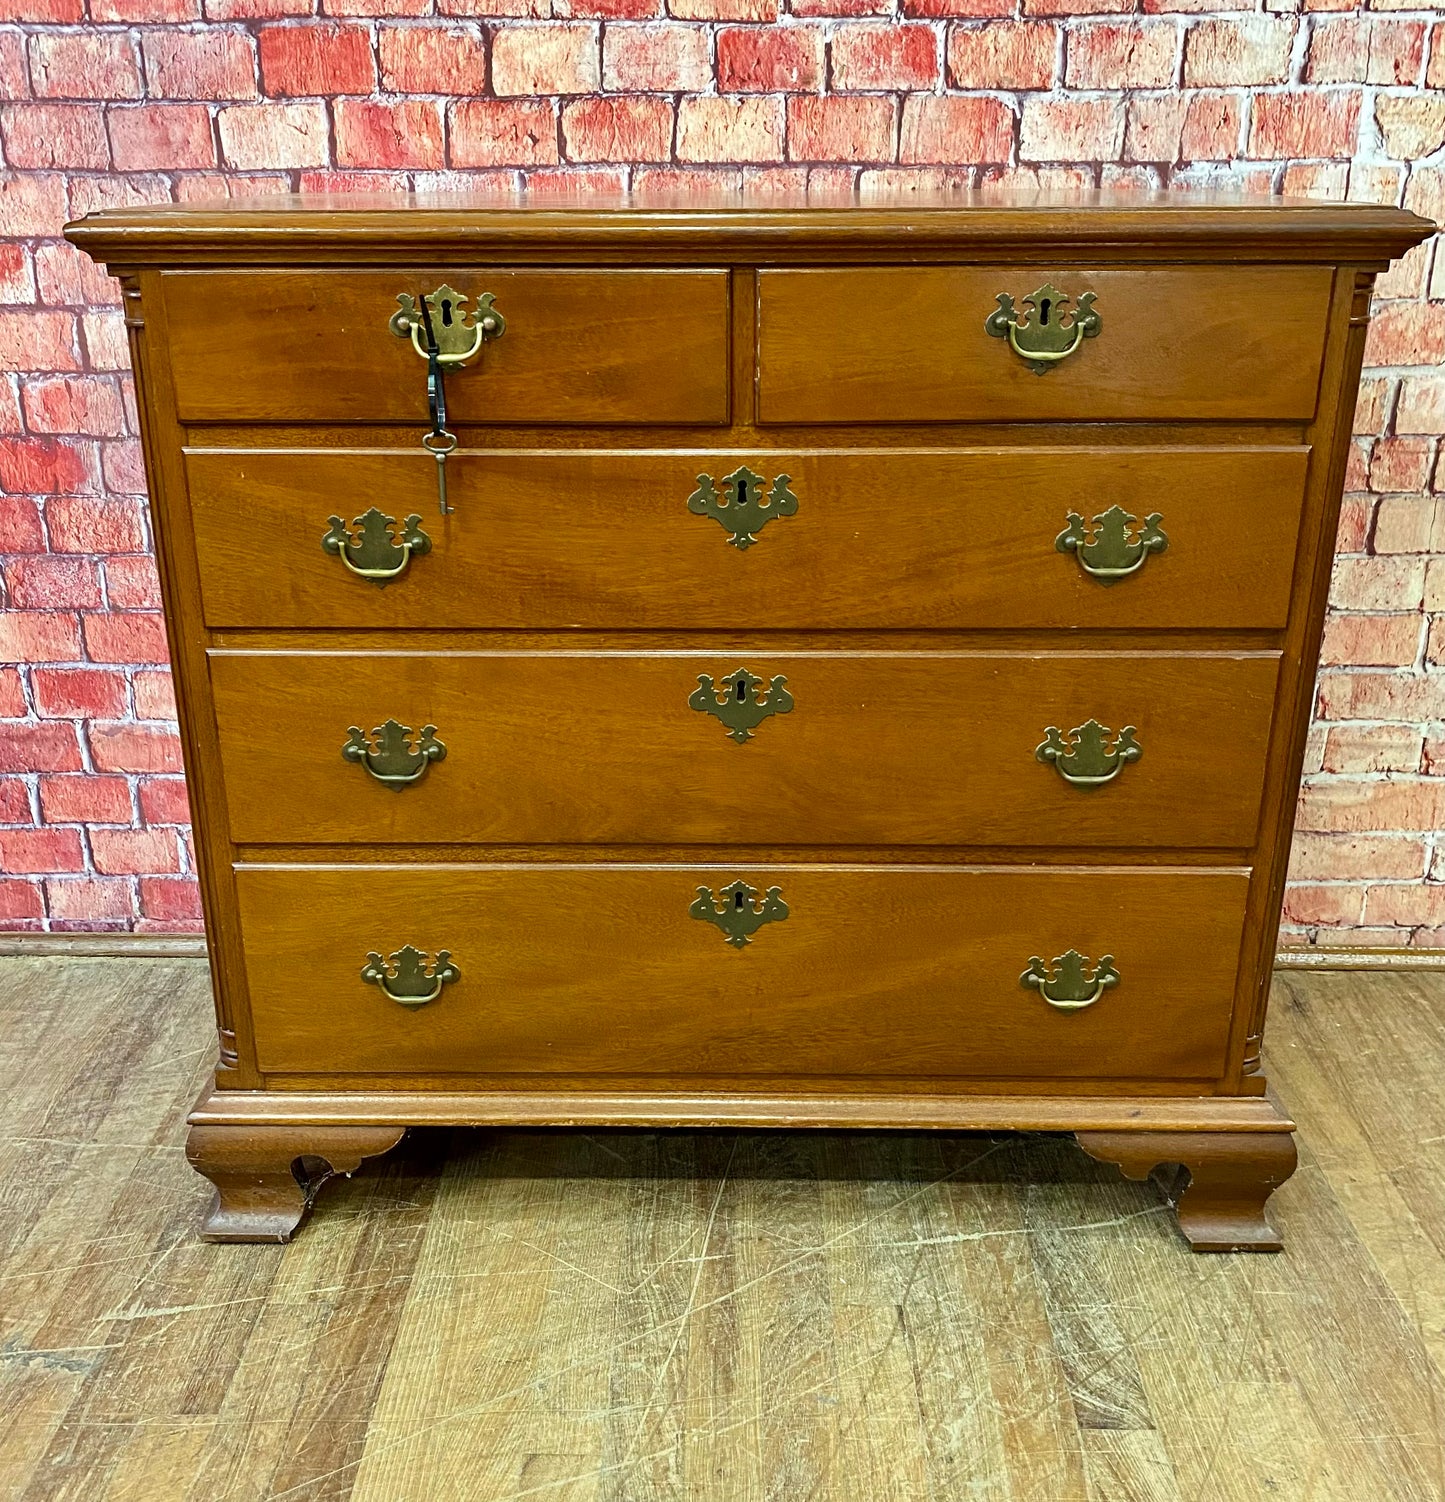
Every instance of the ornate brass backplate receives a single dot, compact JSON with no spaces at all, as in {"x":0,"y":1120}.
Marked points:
{"x":406,"y":979}
{"x":741,"y":508}
{"x":740,"y":706}
{"x":391,"y":756}
{"x":1084,"y":757}
{"x":460,"y":332}
{"x":375,"y":552}
{"x":1045,"y":332}
{"x":1111,"y":554}
{"x":1071,"y":985}
{"x":737,"y":911}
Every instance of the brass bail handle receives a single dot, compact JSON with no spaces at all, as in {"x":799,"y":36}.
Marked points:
{"x":1046,"y":331}
{"x":462,"y":332}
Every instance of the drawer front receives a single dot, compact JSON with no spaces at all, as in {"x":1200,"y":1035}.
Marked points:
{"x":910,"y":345}
{"x":902,"y":972}
{"x":579,"y":347}
{"x":934,"y":748}
{"x":878,"y":538}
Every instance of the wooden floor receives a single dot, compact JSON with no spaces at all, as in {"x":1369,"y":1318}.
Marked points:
{"x":723,"y":1316}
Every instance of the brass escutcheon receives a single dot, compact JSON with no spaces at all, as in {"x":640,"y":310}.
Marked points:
{"x":375,"y":552}
{"x":1084,"y":757}
{"x":1111,"y":554}
{"x":394,"y":760}
{"x":1070,"y":986}
{"x":741,"y":708}
{"x":737,"y":911}
{"x":460,"y":332}
{"x":1044,"y":333}
{"x":741,"y":508}
{"x":406,"y":978}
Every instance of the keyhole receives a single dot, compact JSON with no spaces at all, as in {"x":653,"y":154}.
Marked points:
{"x":1044,"y":311}
{"x":740,"y":690}
{"x":738,"y":901}
{"x":447,"y":312}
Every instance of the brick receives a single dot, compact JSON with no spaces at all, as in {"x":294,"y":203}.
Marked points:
{"x":40,"y":851}
{"x":316,"y":58}
{"x":1373,"y":748}
{"x":162,"y":135}
{"x":1405,"y":277}
{"x":138,"y":636}
{"x":84,"y":65}
{"x":53,"y":12}
{"x":170,"y":897}
{"x":17,"y":274}
{"x":1372,"y":408}
{"x":664,"y":58}
{"x":86,"y":799}
{"x":90,"y":194}
{"x":401,"y":133}
{"x":1347,"y":857}
{"x":1406,"y":906}
{"x":90,"y":525}
{"x":20,"y":901}
{"x":1117,"y":55}
{"x":1008,"y":55}
{"x":12,"y":695}
{"x":503,"y":133}
{"x":1392,"y":584}
{"x":125,"y":746}
{"x":67,"y":277}
{"x":769,"y":59}
{"x":38,"y":582}
{"x":55,"y":135}
{"x":1407,"y":524}
{"x":123,"y":467}
{"x":740,"y":129}
{"x":1411,"y":125}
{"x":104,"y":338}
{"x":1421,"y":407}
{"x":1359,"y":50}
{"x":257,"y":10}
{"x":560,"y":58}
{"x":132,"y":583}
{"x":1400,"y":464}
{"x":134,"y":852}
{"x":1334,"y":904}
{"x":155,"y":697}
{"x":88,"y":405}
{"x":1069,"y":130}
{"x":575,"y":182}
{"x":1069,"y":7}
{"x":9,"y":407}
{"x":46,"y":466}
{"x":354,"y":182}
{"x":87,"y":899}
{"x":217,"y":63}
{"x":1304,"y":124}
{"x":45,"y":746}
{"x":1372,"y":640}
{"x":274,"y":135}
{"x":424,"y":59}
{"x":1435,"y":69}
{"x":884,"y":55}
{"x":378,"y":7}
{"x":618,"y":128}
{"x":1250,"y":50}
{"x":1154,"y":125}
{"x":38,"y":636}
{"x":949,"y":128}
{"x":79,"y":693}
{"x":33,"y":203}
{"x":834,"y":129}
{"x":733,"y":10}
{"x":685,"y":182}
{"x":1374,"y":182}
{"x":163,"y":800}
{"x":1410,"y":698}
{"x":15,"y":802}
{"x":162,"y":11}
{"x":35,"y":340}
{"x":14,"y":75}
{"x":1391,"y":804}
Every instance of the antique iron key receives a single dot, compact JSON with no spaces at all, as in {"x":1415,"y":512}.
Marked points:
{"x":438,"y":442}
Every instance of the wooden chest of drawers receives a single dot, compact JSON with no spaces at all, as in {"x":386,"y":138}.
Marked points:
{"x":861,"y":678}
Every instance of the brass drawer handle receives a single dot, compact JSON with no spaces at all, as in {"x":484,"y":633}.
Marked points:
{"x":375,"y":553}
{"x":741,"y":708}
{"x":459,"y":332}
{"x":1084,"y":757}
{"x":405,"y":979}
{"x":1044,"y":333}
{"x":394,"y":759}
{"x":741,"y":509}
{"x":1070,"y":986}
{"x":1111,"y":554}
{"x":737,"y":911}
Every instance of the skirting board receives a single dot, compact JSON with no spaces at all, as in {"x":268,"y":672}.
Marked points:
{"x":193,"y":947}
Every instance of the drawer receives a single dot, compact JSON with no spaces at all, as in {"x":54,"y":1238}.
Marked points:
{"x":910,"y":345}
{"x":912,"y":972}
{"x":878,"y":538}
{"x":579,"y":347}
{"x":928,"y":748}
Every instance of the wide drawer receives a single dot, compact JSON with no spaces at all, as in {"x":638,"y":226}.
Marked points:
{"x":579,"y":347}
{"x":910,"y":344}
{"x":883,"y":747}
{"x":876,"y":538}
{"x":900,"y":971}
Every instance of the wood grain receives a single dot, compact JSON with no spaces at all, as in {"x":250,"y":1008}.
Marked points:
{"x":929,"y":748}
{"x":628,"y":1315}
{"x":910,"y":346}
{"x":597,"y":538}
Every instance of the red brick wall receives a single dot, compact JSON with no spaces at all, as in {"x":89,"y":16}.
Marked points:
{"x":109,"y":101}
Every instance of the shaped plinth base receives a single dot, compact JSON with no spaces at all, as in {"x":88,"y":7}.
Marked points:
{"x":1227,"y":1178}
{"x":267,"y":1177}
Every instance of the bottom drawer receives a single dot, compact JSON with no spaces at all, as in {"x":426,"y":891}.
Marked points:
{"x":879,"y":972}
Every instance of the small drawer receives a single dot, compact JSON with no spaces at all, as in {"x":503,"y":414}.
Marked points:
{"x":686,"y":972}
{"x":1023,"y":538}
{"x":804,"y":747}
{"x":912,"y":345}
{"x":578,"y":347}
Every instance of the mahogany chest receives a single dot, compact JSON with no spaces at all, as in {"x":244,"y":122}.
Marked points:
{"x":732,"y":663}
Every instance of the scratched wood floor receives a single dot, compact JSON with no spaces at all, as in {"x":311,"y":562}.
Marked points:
{"x":722,"y":1316}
